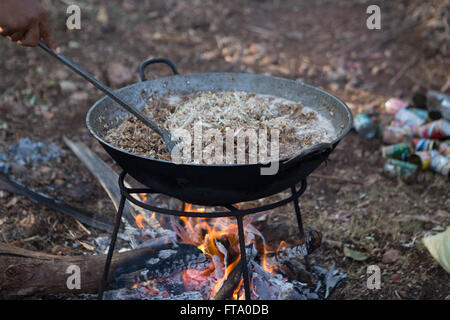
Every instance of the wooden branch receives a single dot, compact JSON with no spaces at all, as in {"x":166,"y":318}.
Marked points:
{"x":305,"y":247}
{"x":171,"y":259}
{"x":230,"y":284}
{"x":106,"y":176}
{"x":29,"y":274}
{"x":83,"y":216}
{"x":234,"y":278}
{"x":108,"y":179}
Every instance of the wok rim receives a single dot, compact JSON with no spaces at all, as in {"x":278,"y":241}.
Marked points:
{"x":302,"y":153}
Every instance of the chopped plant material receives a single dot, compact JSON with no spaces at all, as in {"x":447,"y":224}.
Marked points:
{"x":298,"y":127}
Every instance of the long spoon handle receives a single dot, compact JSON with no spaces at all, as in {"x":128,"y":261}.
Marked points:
{"x":104,"y":88}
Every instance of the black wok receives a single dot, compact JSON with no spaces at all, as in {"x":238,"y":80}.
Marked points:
{"x":218,"y":184}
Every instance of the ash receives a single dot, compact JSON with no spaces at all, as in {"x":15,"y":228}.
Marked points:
{"x":142,"y":294}
{"x":265,"y":285}
{"x":28,"y":152}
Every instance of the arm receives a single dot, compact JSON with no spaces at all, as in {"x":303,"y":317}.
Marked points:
{"x":25,"y":22}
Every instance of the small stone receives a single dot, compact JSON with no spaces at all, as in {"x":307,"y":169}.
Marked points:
{"x":390,"y":256}
{"x":312,"y":72}
{"x":59,"y":182}
{"x":249,"y":60}
{"x":28,"y":221}
{"x":47,"y":115}
{"x":67,"y":86}
{"x":15,"y":108}
{"x":12,"y":202}
{"x":257,"y":49}
{"x":375,"y":70}
{"x":78,"y":97}
{"x":396,"y":277}
{"x":57,"y":249}
{"x":61,"y":74}
{"x":118,"y":75}
{"x":3,"y":194}
{"x":334,"y":86}
{"x":102,"y":15}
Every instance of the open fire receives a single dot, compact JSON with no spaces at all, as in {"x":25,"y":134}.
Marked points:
{"x":220,"y":276}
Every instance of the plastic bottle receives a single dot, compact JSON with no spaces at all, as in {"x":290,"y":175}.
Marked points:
{"x":364,"y":126}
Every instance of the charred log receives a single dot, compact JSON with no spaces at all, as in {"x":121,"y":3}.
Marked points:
{"x":169,"y":259}
{"x":29,"y":274}
{"x":306,"y":247}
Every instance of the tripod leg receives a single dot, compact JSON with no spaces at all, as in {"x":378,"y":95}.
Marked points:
{"x":109,"y":256}
{"x":300,"y":224}
{"x":243,"y":258}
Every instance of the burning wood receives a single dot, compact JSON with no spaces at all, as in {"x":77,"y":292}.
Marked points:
{"x":306,"y":247}
{"x":169,"y":259}
{"x":232,"y":282}
{"x":47,"y":274}
{"x":263,"y":279}
{"x":217,"y":238}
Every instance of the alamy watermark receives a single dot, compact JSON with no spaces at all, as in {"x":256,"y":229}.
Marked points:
{"x":241,"y":146}
{"x":73,"y":21}
{"x":373,"y":22}
{"x":73,"y":281}
{"x":374,"y":277}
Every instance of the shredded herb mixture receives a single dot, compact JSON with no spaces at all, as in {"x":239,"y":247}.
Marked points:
{"x":299,"y":127}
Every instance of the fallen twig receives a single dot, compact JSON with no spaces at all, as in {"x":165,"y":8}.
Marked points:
{"x":81,"y":215}
{"x":319,"y":176}
{"x":411,"y":62}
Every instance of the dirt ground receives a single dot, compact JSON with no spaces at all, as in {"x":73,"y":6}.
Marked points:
{"x":324,"y":43}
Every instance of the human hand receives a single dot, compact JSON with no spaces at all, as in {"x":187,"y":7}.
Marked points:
{"x":25,"y":22}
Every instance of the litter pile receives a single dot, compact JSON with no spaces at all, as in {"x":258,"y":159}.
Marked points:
{"x":417,"y":138}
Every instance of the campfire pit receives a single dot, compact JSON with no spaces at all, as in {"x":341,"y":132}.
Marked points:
{"x":308,"y":243}
{"x":218,"y":185}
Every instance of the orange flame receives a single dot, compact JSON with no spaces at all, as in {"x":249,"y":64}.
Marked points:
{"x":217,"y":238}
{"x":206,"y":234}
{"x":139,"y":221}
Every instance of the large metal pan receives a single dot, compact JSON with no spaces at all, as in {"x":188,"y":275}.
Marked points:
{"x":218,"y":184}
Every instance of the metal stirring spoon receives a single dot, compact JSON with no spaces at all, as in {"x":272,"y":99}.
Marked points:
{"x":165,"y":135}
